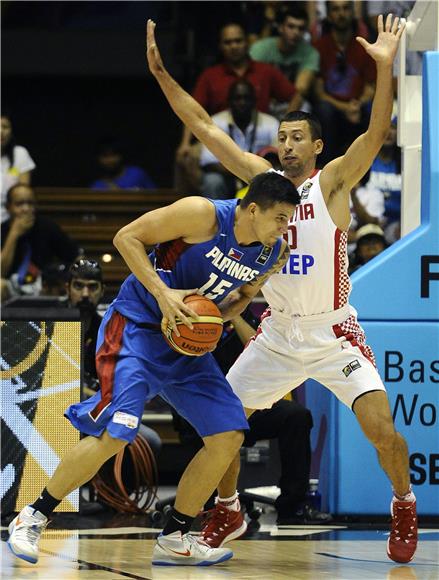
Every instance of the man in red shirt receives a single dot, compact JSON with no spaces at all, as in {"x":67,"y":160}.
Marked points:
{"x":212,"y":87}
{"x":345,"y":86}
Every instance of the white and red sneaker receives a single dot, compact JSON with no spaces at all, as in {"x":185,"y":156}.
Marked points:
{"x":222,"y":525}
{"x":403,"y":539}
{"x":179,"y":549}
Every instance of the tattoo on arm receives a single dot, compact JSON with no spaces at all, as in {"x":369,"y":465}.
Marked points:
{"x":282,"y":259}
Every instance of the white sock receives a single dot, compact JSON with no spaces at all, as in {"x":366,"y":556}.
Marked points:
{"x":231,"y":503}
{"x":409,"y":496}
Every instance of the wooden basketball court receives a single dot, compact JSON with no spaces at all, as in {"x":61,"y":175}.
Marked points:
{"x":121,"y":547}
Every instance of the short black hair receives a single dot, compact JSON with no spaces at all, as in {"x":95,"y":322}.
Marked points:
{"x":84,"y":268}
{"x":314,"y":124}
{"x":269,"y":188}
{"x":12,"y":189}
{"x":296,"y":12}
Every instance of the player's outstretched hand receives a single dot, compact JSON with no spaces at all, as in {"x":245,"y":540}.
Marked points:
{"x":153,"y":57}
{"x":383,"y":51}
{"x":172,"y":306}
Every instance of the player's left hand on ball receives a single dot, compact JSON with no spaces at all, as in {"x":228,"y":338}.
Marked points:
{"x":174,"y":309}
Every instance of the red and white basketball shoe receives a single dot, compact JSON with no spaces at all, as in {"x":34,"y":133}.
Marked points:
{"x":222,"y":525}
{"x":403,"y":539}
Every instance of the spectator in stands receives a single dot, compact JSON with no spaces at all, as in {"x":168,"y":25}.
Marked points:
{"x":385,"y":175}
{"x":260,"y":18}
{"x":84,"y":288}
{"x":290,"y":52}
{"x":114,"y":173}
{"x":378,"y":198}
{"x":287,"y":421}
{"x":213,"y":85}
{"x":318,"y":23}
{"x":29,"y":242}
{"x":248,"y":127}
{"x":17,"y":164}
{"x":367,"y":207}
{"x":345,"y":85}
{"x":370,"y":243}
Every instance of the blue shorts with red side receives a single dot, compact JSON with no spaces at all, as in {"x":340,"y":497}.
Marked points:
{"x":134,"y":364}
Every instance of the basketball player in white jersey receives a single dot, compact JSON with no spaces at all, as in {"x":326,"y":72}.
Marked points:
{"x":311,"y":330}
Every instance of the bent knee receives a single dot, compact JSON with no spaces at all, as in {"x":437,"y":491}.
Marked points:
{"x":112,"y":444}
{"x":231,"y":440}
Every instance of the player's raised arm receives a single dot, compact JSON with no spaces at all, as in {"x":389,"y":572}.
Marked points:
{"x":343,"y":173}
{"x":244,"y":165}
{"x":191,"y":217}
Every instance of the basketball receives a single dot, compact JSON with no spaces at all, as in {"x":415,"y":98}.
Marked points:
{"x":205,"y":333}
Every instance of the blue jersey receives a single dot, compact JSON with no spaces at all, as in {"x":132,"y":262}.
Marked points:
{"x":215,"y":267}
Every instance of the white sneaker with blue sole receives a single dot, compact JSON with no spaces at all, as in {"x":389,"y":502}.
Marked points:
{"x":179,"y":549}
{"x":24,"y":534}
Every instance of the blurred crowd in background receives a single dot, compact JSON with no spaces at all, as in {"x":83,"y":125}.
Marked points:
{"x":247,"y":63}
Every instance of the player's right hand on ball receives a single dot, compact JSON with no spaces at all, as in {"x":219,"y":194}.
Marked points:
{"x":172,"y":306}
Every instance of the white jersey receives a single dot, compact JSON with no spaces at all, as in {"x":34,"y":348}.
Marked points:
{"x":315,"y":279}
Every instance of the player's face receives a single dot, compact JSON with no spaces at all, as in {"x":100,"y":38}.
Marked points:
{"x":292,"y":31}
{"x":296,"y":147}
{"x":81,"y":288}
{"x":272,"y":223}
{"x":233,"y":44}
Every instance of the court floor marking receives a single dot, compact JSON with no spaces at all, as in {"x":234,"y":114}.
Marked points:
{"x":92,"y":566}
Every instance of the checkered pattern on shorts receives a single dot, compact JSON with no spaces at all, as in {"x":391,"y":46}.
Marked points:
{"x":353,"y":332}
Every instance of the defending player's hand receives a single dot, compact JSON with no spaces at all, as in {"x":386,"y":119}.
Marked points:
{"x":153,"y":57}
{"x":383,"y":51}
{"x":172,"y":306}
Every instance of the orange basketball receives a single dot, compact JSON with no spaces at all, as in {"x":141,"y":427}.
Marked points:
{"x":206,"y":330}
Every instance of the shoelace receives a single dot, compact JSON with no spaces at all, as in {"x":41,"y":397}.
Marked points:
{"x":214,"y":519}
{"x":31,"y":533}
{"x":196,"y":542}
{"x":404,"y":519}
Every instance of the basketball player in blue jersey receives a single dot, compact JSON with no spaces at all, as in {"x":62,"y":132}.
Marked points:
{"x":310,"y":330}
{"x":209,"y":247}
